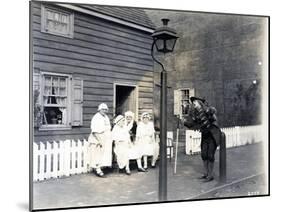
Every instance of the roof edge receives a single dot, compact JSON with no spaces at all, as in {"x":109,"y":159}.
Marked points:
{"x":106,"y":17}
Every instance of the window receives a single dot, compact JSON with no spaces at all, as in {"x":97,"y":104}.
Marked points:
{"x":181,"y":101}
{"x":60,"y":100}
{"x":55,"y":100}
{"x":58,"y":22}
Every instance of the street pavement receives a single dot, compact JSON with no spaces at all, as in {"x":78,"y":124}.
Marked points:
{"x":251,"y":186}
{"x":119,"y":188}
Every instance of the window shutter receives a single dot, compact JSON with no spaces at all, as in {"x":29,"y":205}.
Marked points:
{"x":36,"y":78}
{"x":77,"y":102}
{"x":36,"y":81}
{"x":177,"y":102}
{"x":191,"y":92}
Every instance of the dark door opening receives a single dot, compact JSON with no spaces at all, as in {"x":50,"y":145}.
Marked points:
{"x":125,"y":99}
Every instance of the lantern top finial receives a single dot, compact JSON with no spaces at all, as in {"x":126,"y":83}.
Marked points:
{"x":165,"y":21}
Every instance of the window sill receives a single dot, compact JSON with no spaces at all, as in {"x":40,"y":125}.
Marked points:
{"x":68,"y":35}
{"x":54,"y":127}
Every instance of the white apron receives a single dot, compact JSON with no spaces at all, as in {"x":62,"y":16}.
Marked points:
{"x":100,"y":144}
{"x":135,"y":150}
{"x":121,"y":137}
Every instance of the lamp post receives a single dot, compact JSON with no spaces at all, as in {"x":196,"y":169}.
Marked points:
{"x":164,"y":38}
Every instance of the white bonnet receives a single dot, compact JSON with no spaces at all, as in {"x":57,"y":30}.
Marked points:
{"x":129,"y":113}
{"x":118,"y":118}
{"x":102,"y":106}
{"x":145,"y":114}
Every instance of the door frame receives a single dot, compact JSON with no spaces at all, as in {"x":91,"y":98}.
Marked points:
{"x":136,"y":87}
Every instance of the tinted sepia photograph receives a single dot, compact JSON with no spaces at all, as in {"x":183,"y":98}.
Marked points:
{"x":139,"y":105}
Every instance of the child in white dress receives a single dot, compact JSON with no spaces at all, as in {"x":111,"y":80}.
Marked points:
{"x":145,"y":137}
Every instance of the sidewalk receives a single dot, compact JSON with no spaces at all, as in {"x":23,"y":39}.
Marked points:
{"x":118,"y":188}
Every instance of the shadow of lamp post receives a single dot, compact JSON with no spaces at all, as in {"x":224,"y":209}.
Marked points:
{"x":164,"y":38}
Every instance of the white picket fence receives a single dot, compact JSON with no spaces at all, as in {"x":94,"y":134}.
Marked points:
{"x":64,"y":158}
{"x":235,"y":136}
{"x":59,"y":158}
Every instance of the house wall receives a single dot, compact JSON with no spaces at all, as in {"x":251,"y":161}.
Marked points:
{"x":101,"y":53}
{"x":220,"y":56}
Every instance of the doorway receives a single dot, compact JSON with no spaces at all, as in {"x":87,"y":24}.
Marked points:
{"x":125,"y":98}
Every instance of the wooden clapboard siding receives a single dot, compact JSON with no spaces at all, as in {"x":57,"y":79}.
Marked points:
{"x":56,"y":56}
{"x":76,"y":69}
{"x":145,"y":95}
{"x":44,"y":46}
{"x":146,"y":89}
{"x":99,"y":25}
{"x":97,"y":97}
{"x":83,"y":31}
{"x":88,"y":45}
{"x":99,"y":22}
{"x":75,"y":133}
{"x":101,"y":53}
{"x":145,"y":99}
{"x":85,"y":24}
{"x":112,"y":40}
{"x":85,"y":43}
{"x":105,"y":85}
{"x":114,"y":31}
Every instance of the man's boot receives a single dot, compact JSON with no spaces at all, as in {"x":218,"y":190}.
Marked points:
{"x":210,"y":172}
{"x":205,"y":174}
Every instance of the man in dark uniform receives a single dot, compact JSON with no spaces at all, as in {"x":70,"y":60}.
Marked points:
{"x":202,"y":117}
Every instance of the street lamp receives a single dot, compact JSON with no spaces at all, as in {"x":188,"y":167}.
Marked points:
{"x":164,"y":38}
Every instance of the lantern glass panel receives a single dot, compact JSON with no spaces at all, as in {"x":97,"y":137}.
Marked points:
{"x":170,"y":44}
{"x":160,"y":44}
